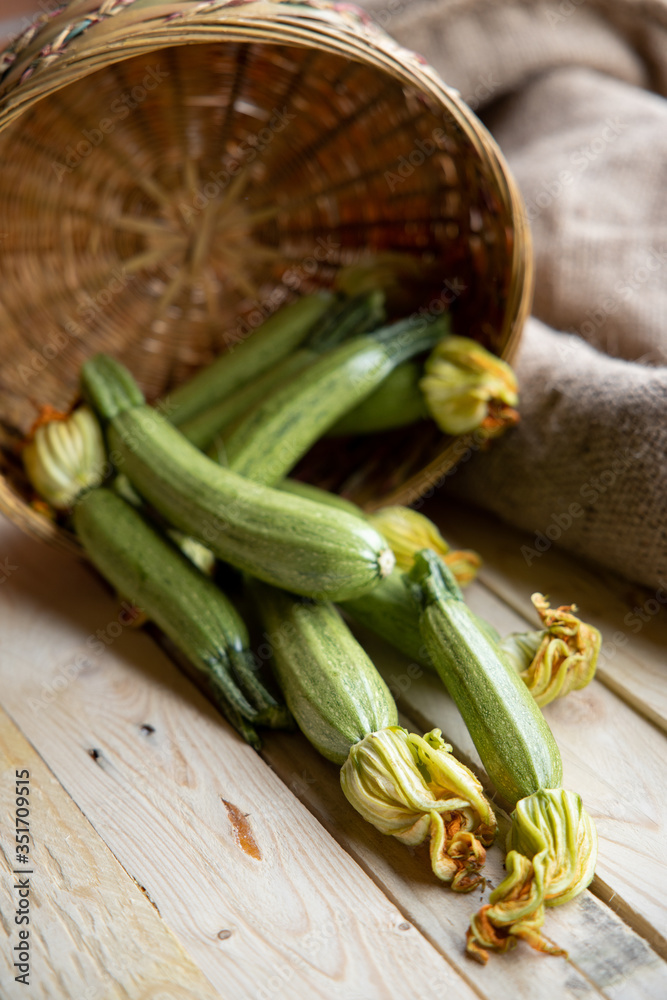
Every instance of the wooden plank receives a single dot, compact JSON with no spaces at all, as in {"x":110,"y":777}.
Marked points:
{"x":167,"y":790}
{"x":632,"y":620}
{"x":92,"y":932}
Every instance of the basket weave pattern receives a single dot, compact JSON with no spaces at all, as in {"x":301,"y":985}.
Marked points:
{"x":171,"y":173}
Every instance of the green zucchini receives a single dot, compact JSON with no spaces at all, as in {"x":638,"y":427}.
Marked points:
{"x":151,"y":573}
{"x":397,"y":402}
{"x":389,"y":609}
{"x":512,"y":737}
{"x":390,"y":612}
{"x":402,"y":783}
{"x":203,"y":429}
{"x":289,"y":542}
{"x":277,"y":337}
{"x":331,"y":687}
{"x":309,"y":492}
{"x":552,"y":843}
{"x":462,"y":387}
{"x":281,"y":429}
{"x":351,"y":318}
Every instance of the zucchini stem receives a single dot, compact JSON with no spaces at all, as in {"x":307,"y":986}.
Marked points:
{"x":155,"y":576}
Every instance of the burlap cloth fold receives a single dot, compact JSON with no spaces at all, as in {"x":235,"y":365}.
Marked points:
{"x":573,"y":91}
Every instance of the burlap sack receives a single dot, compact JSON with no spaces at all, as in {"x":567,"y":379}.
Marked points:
{"x":570,"y":90}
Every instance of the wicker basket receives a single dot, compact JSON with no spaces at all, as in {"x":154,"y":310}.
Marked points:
{"x":171,"y":172}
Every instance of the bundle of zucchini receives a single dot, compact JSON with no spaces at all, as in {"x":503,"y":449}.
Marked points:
{"x":408,"y":786}
{"x":205,"y":472}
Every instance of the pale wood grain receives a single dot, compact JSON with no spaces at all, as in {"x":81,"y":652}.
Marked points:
{"x":304,"y":921}
{"x":93,"y":933}
{"x":632,"y":661}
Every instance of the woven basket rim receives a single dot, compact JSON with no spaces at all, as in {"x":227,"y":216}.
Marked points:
{"x":311,"y":23}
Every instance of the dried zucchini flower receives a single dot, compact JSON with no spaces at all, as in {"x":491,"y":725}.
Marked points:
{"x":65,"y":457}
{"x":408,"y":532}
{"x":466,"y":388}
{"x":552,"y":850}
{"x":414,"y":788}
{"x":557,"y":659}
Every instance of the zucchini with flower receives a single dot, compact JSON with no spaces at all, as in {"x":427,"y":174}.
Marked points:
{"x":463,"y":388}
{"x":552,"y":661}
{"x":407,"y":531}
{"x":407,"y":786}
{"x":292,"y":543}
{"x":552,"y":842}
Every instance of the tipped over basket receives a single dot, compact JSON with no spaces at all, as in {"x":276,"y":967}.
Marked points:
{"x":172,"y":172}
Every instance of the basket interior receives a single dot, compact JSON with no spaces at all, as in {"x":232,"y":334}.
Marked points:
{"x":161,"y":208}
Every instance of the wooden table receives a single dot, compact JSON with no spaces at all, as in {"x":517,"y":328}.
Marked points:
{"x":170,"y":861}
